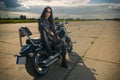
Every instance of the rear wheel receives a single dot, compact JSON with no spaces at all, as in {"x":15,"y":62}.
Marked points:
{"x":32,"y":65}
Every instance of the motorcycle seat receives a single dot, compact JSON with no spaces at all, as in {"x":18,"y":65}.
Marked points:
{"x":36,"y":41}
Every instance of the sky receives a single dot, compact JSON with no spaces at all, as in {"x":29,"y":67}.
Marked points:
{"x":83,"y":9}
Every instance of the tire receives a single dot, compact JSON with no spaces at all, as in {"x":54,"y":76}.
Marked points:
{"x":32,"y":66}
{"x":69,"y":44}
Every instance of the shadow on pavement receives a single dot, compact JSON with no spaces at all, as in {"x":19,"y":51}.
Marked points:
{"x":78,"y":70}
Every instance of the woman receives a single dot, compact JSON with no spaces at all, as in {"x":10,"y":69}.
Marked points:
{"x":46,"y":26}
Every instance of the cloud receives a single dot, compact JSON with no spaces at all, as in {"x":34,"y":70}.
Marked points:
{"x":11,"y":3}
{"x":104,"y":1}
{"x":10,"y":14}
{"x":61,"y":8}
{"x":114,"y":7}
{"x":54,"y":2}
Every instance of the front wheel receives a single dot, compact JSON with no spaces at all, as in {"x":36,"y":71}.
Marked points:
{"x":32,"y":65}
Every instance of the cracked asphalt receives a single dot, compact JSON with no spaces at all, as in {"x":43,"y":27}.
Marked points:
{"x":95,"y":56}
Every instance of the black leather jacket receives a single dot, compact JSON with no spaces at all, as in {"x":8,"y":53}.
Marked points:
{"x":43,"y":26}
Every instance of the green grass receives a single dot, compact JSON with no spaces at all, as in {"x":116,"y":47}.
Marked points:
{"x":33,"y":21}
{"x":17,"y":21}
{"x":30,"y":21}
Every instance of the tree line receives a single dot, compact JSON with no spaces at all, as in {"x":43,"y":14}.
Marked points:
{"x":24,"y":17}
{"x":21,"y":17}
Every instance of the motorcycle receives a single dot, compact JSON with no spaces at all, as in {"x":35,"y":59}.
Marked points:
{"x":64,"y":35}
{"x":33,"y":55}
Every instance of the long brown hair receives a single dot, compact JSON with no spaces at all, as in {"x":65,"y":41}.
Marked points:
{"x":50,"y":19}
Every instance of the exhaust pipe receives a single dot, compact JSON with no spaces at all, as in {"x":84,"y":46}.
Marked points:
{"x":50,"y":60}
{"x":53,"y":61}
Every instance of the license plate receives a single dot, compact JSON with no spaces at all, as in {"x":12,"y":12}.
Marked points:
{"x":21,"y":60}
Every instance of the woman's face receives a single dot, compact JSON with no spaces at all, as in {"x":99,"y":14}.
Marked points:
{"x":48,"y":13}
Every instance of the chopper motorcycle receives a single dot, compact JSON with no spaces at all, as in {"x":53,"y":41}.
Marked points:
{"x":33,"y":55}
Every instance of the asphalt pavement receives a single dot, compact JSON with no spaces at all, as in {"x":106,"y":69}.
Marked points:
{"x":95,"y":56}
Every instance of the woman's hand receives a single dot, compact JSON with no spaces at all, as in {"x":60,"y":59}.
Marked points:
{"x":50,"y":32}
